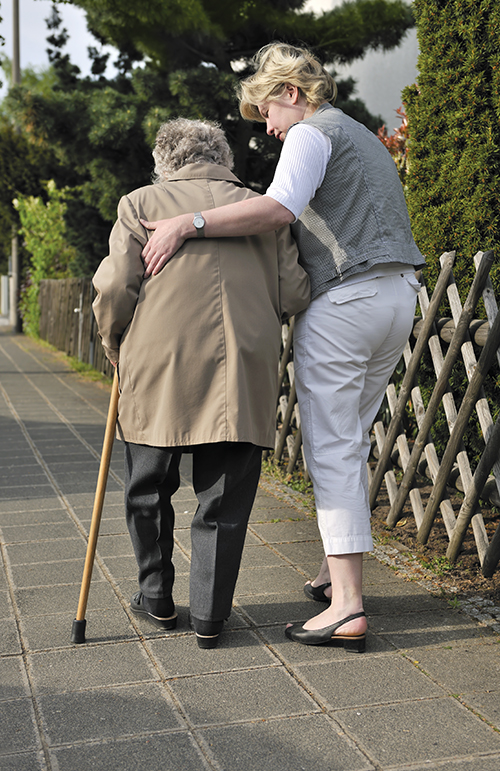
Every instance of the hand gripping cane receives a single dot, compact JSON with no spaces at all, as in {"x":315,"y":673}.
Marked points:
{"x":79,"y":624}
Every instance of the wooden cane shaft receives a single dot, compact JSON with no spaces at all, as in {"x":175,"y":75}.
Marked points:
{"x":102,"y":479}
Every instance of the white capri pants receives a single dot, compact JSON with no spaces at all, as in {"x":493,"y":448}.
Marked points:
{"x":346,"y":347}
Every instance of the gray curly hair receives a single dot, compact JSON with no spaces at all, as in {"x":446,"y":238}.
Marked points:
{"x":182,"y":141}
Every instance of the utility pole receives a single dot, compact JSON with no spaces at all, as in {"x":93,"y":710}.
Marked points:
{"x":14,"y":318}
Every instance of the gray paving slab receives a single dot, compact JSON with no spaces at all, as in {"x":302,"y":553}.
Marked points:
{"x":43,"y":574}
{"x":238,"y":649}
{"x":23,"y":761}
{"x":10,"y":642}
{"x":17,"y":726}
{"x":417,"y":731}
{"x":43,"y":600}
{"x":272,"y":744}
{"x":373,"y":680}
{"x":167,"y":751}
{"x":426,"y":695}
{"x":14,"y":679}
{"x":5,"y":605}
{"x":230,"y":697}
{"x":108,"y":713}
{"x":461,"y":668}
{"x":53,"y":631}
{"x":79,"y":668}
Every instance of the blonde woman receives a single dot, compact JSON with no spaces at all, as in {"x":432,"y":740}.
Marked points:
{"x":338,"y":187}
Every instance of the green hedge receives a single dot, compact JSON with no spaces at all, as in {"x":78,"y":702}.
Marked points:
{"x":453,"y":183}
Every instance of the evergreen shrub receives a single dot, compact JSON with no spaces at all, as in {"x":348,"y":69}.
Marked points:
{"x":453,"y":180}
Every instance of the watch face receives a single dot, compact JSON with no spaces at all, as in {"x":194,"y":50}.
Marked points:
{"x":198,"y":222}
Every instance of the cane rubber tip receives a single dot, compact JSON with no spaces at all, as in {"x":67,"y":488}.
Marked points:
{"x":78,"y":631}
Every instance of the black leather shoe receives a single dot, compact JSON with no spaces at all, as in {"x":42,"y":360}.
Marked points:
{"x":161,"y":612}
{"x":207,"y":632}
{"x":355,"y":643}
{"x":317,"y":592}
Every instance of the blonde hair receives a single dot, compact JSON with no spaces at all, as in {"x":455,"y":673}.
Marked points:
{"x":277,"y":64}
{"x":182,"y":141}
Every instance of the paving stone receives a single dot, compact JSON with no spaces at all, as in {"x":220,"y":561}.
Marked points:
{"x":418,"y":731}
{"x":32,"y":517}
{"x":271,"y":745}
{"x":38,"y":532}
{"x":461,"y":668}
{"x":485,"y":703}
{"x":14,"y":681}
{"x":371,"y":680}
{"x":281,"y":608}
{"x":401,"y":597}
{"x":374,"y":572}
{"x":260,"y":557}
{"x":47,"y":551}
{"x":51,"y":573}
{"x":15,"y":493}
{"x":268,"y":580}
{"x":80,"y":668}
{"x":5,"y":605}
{"x":115,"y":545}
{"x":168,"y":752}
{"x":133,"y":696}
{"x":307,"y":556}
{"x":230,"y":697}
{"x":418,"y":630}
{"x":236,"y":650}
{"x":45,"y":600}
{"x":17,"y":730}
{"x":287,"y":532}
{"x":25,"y":761}
{"x":9,"y":637}
{"x":54,"y":631}
{"x":108,"y":713}
{"x":49,"y":500}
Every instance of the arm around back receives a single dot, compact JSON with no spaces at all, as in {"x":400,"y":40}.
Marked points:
{"x":295,"y":289}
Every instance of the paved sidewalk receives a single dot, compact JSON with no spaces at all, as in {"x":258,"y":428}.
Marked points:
{"x":425,"y":695}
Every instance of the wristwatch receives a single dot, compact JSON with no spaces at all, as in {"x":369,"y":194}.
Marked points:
{"x":199,"y":224}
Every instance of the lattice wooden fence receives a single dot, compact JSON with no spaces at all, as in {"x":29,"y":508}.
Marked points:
{"x":419,"y":455}
{"x":67,"y":321}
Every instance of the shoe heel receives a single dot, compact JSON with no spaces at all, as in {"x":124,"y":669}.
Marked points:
{"x":207,"y":642}
{"x":355,"y":645}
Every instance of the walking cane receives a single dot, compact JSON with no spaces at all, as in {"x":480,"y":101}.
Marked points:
{"x":79,"y":624}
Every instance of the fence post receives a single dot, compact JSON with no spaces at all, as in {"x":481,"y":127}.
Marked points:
{"x":441,"y":384}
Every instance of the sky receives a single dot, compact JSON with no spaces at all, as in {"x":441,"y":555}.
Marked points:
{"x":380,"y":77}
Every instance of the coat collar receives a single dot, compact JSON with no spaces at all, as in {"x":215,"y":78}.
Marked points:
{"x":205,"y":171}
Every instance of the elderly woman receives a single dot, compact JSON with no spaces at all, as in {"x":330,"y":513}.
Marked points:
{"x":198,"y":353}
{"x":338,"y":185}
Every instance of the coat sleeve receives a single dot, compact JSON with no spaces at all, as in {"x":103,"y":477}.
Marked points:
{"x":118,"y":279}
{"x":295,"y":289}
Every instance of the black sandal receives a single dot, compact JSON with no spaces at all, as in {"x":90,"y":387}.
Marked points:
{"x":352,"y":642}
{"x":317,"y":592}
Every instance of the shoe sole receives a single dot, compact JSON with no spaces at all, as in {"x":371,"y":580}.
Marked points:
{"x":207,"y":642}
{"x":161,"y":623}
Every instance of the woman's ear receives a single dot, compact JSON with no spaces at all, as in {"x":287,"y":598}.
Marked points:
{"x":293,"y":92}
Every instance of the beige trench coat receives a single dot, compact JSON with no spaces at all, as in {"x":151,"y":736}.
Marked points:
{"x":198,"y":344}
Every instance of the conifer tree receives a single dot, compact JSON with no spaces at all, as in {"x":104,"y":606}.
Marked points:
{"x":453,"y":184}
{"x":175,"y":58}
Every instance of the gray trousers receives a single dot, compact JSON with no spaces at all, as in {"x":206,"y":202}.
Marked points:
{"x":225,"y":479}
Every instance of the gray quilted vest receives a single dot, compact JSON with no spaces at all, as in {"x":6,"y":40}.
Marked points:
{"x":358,"y":217}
